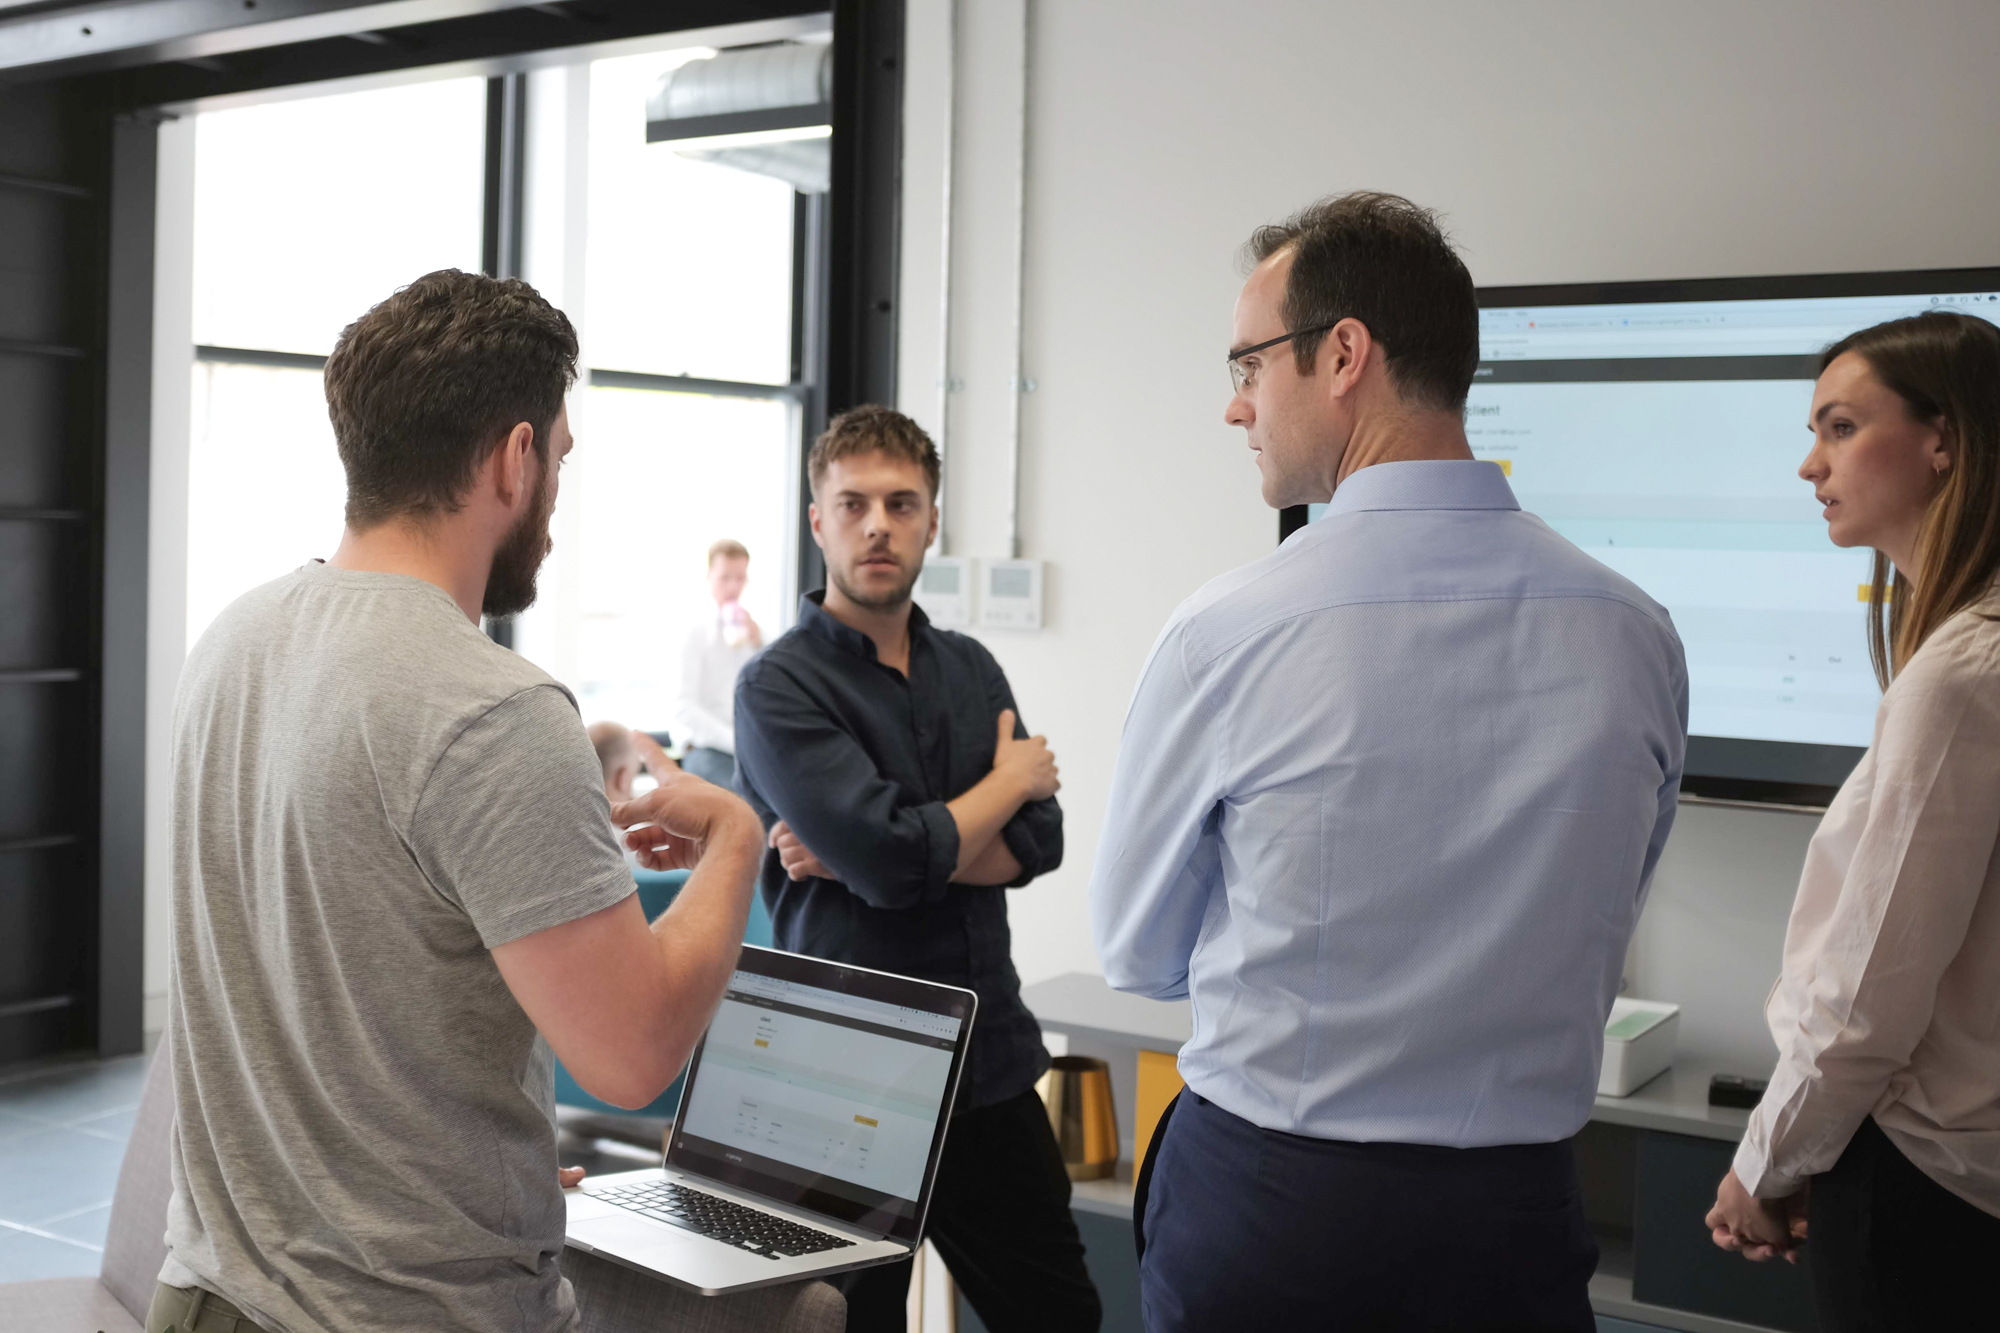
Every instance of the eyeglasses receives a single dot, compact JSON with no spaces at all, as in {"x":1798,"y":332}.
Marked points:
{"x":1241,"y":376}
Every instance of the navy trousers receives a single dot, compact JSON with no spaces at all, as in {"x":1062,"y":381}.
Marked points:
{"x":1250,"y":1228}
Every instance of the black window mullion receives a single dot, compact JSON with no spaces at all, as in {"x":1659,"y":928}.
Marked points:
{"x":505,"y":205}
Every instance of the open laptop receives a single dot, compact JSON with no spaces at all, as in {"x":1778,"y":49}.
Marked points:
{"x":808,"y":1134}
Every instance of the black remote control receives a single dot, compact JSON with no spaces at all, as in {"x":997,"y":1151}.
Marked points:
{"x":1736,"y":1090}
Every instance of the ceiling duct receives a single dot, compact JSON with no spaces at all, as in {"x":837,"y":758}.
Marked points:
{"x":767,"y":110}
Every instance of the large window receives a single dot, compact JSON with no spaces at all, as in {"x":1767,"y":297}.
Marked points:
{"x":687,"y":272}
{"x":661,"y":476}
{"x":305,"y":214}
{"x":690,"y":264}
{"x":309,"y":211}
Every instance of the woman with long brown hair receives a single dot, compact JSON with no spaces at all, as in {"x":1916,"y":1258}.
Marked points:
{"x":1885,"y":1106}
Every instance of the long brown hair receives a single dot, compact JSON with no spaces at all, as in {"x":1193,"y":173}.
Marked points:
{"x":1945,"y":366}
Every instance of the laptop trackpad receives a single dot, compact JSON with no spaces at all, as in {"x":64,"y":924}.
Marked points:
{"x":638,"y":1238}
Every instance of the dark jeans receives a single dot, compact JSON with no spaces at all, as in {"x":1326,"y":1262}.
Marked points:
{"x":711,"y":765}
{"x":1890,"y":1248}
{"x":1250,"y":1228}
{"x":1000,"y":1220}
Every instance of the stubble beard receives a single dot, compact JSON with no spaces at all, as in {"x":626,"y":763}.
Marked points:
{"x":510,"y":585}
{"x":888,"y":601}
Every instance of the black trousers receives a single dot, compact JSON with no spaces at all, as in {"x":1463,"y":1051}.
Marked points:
{"x":1000,"y":1220}
{"x":1247,"y":1228}
{"x":1890,"y":1248}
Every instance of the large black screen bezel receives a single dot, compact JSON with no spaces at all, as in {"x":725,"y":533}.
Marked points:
{"x":876,"y":1214}
{"x":1726,"y":767}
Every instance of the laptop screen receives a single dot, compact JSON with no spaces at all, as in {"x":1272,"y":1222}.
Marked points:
{"x":825,"y":1087}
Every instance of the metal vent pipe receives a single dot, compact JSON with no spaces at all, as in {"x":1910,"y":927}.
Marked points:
{"x":756,"y":78}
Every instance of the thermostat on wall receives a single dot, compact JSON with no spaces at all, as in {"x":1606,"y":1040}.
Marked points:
{"x":1011,"y":594}
{"x":944,"y":590}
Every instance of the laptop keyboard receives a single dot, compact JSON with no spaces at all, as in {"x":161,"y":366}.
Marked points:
{"x":719,"y":1219}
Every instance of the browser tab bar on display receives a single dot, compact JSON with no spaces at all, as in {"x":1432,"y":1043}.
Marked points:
{"x":750,"y":986}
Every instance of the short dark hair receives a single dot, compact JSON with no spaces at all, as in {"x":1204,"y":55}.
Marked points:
{"x":1382,"y":260}
{"x":870,"y":429}
{"x":424,"y":386}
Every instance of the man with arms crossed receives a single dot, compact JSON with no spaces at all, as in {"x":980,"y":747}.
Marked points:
{"x":1386,"y":809}
{"x":394,"y":865}
{"x":904,"y":799}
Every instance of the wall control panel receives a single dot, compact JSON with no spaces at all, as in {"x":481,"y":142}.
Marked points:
{"x":944,"y":590}
{"x":1010,"y":594}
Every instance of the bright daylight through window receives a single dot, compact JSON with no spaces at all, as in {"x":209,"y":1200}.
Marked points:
{"x":688,"y":271}
{"x":309,"y":211}
{"x":305,"y":214}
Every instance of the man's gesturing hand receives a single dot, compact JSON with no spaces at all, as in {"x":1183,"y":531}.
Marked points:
{"x":795,"y":856}
{"x":1030,"y":762}
{"x":678,"y":820}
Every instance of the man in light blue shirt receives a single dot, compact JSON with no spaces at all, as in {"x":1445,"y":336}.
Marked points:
{"x":1386,"y":809}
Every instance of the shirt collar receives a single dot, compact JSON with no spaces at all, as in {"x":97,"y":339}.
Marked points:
{"x":814,"y":618}
{"x":1432,"y":483}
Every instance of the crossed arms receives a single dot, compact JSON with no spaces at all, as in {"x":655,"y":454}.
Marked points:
{"x":837,"y":817}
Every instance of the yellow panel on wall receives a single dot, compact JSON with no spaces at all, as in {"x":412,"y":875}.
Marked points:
{"x":1159,"y":1080}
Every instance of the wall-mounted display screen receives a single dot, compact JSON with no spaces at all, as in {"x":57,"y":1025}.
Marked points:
{"x":1660,"y":426}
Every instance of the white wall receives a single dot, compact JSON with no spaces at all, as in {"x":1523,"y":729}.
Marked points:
{"x":1567,"y":141}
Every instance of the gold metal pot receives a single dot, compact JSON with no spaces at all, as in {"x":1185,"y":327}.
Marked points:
{"x":1077,"y":1092}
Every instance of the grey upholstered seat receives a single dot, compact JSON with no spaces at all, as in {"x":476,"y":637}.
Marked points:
{"x":611,"y":1299}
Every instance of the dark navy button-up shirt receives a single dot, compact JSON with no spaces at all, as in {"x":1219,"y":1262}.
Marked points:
{"x":860,"y":761}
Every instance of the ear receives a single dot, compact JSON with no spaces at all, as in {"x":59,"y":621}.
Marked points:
{"x":930,"y":539}
{"x":514,"y":468}
{"x":812,"y":514}
{"x":1943,"y":438}
{"x":1344,"y":356}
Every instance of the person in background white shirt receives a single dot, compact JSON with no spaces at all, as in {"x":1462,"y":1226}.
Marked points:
{"x":722,"y":640}
{"x":1885,"y":1105}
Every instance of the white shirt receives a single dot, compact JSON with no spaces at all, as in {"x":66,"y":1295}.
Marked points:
{"x":709,"y":666}
{"x":1386,"y":809}
{"x":1889,"y":999}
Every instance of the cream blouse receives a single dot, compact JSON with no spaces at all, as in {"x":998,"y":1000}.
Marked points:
{"x":1889,"y":999}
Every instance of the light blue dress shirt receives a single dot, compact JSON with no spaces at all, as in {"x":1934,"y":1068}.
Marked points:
{"x":1386,"y":809}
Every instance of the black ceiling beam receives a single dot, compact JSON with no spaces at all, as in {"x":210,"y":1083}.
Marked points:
{"x":522,"y":30}
{"x":93,"y":35}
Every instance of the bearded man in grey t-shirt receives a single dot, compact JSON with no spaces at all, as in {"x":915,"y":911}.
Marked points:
{"x":396,"y":881}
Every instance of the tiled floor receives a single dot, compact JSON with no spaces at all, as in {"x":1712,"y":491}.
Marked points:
{"x":62,"y":1137}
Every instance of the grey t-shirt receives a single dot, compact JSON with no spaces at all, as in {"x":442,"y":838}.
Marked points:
{"x":369,"y":795}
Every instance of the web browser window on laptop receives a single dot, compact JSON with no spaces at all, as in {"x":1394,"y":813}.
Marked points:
{"x":830,"y":1100}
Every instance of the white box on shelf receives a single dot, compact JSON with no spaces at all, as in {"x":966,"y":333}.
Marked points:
{"x":1638,"y":1044}
{"x":1010,"y":594}
{"x":944,"y":590}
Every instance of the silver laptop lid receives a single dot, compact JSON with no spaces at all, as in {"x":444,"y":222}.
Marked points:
{"x":826,"y":1087}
